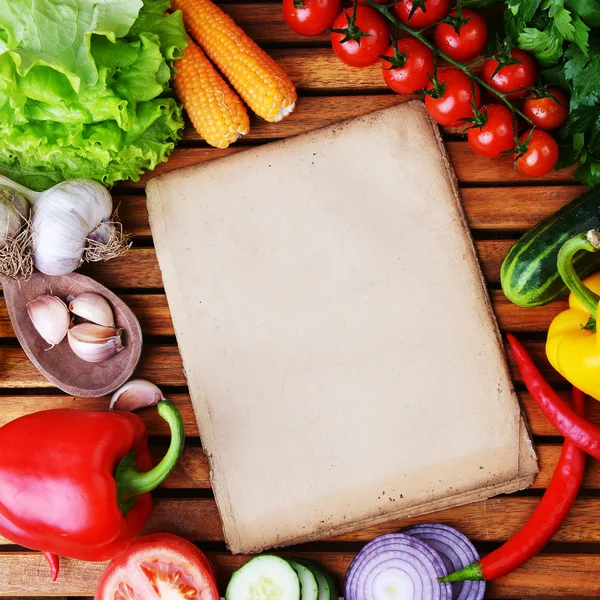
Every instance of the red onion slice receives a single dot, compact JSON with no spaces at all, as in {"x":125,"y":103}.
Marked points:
{"x":396,"y":566}
{"x":457,"y":552}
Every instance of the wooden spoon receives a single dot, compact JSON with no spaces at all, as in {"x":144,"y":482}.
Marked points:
{"x":59,"y":364}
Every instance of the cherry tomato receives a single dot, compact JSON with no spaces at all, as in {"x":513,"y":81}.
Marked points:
{"x":547,"y":113}
{"x":540,"y":157}
{"x":310,"y":17}
{"x":496,"y":135}
{"x":159,"y":566}
{"x":468,"y":42}
{"x":416,"y":64}
{"x":432,"y":11}
{"x":456,"y":98}
{"x":511,"y":77}
{"x":366,"y":50}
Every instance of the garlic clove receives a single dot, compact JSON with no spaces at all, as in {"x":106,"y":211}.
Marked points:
{"x":94,"y":343}
{"x":50,"y":317}
{"x":137,"y":393}
{"x":94,"y":308}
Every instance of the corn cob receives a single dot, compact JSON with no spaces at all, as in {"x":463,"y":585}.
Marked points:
{"x":215,"y":110}
{"x":256,"y":77}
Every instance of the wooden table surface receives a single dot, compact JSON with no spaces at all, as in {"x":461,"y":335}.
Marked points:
{"x":499,"y":204}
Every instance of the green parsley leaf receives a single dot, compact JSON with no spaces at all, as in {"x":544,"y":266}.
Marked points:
{"x":588,"y":172}
{"x":525,"y":8}
{"x":568,"y":154}
{"x":582,"y":118}
{"x":581,"y":34}
{"x":563,"y":24}
{"x":546,"y":44}
{"x":588,"y":10}
{"x":584,"y":73}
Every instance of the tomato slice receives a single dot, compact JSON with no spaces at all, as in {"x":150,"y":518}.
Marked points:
{"x":159,"y":567}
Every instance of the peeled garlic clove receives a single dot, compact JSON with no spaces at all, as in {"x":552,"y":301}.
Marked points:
{"x":94,"y":308}
{"x":137,"y":393}
{"x":50,"y":317}
{"x":95,"y":343}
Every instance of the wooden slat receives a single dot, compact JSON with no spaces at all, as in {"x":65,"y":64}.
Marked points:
{"x":264,"y":23}
{"x":517,"y":319}
{"x":494,"y":520}
{"x":192,"y":471}
{"x":554,"y":576}
{"x":320,"y":69}
{"x":313,"y":112}
{"x":491,"y":254}
{"x":162,"y":364}
{"x":514,"y":208}
{"x":133,"y":214}
{"x":15,"y":406}
{"x":469,"y":168}
{"x":152,"y":310}
{"x":139,"y":267}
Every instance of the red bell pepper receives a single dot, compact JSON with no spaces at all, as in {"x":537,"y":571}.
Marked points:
{"x":76,"y":483}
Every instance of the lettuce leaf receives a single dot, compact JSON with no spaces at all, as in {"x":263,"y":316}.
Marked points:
{"x":57,"y":34}
{"x":102,"y":109}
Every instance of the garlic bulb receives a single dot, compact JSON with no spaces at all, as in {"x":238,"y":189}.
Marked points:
{"x":14,"y":210}
{"x":72,"y":222}
{"x":50,"y":317}
{"x":94,"y":343}
{"x":15,"y":237}
{"x":137,"y":393}
{"x":94,"y":308}
{"x":63,"y":218}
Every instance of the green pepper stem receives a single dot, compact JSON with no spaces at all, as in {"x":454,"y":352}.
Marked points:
{"x":473,"y":572}
{"x":130,"y":481}
{"x":590,"y":242}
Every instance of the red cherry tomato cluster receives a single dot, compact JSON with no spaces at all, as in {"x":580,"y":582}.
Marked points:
{"x":360,"y":38}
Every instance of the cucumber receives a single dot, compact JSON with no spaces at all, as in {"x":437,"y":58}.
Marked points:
{"x":309,"y":589}
{"x":265,"y":577}
{"x":327,"y":586}
{"x":529,"y":274}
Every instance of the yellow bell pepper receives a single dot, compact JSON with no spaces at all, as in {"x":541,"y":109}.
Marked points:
{"x":573,"y":345}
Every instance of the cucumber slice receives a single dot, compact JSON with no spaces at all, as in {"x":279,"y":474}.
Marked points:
{"x":309,"y":589}
{"x":328,"y":589}
{"x":265,"y":577}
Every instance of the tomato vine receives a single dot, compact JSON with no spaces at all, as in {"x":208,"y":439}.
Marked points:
{"x":385,"y":11}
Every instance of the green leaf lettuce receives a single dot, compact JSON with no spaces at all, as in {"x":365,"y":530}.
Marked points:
{"x":84,"y":88}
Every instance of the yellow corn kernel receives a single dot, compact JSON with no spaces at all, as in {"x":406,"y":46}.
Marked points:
{"x":215,"y":110}
{"x":256,"y":77}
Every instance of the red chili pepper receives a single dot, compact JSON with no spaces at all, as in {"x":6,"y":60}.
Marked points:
{"x":76,"y":483}
{"x":568,"y":423}
{"x":555,"y":503}
{"x":545,"y":520}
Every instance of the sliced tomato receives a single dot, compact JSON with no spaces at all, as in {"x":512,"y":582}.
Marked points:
{"x":156,"y":567}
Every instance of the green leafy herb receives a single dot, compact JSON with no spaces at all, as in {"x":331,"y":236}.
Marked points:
{"x":564,"y":36}
{"x":85,"y":88}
